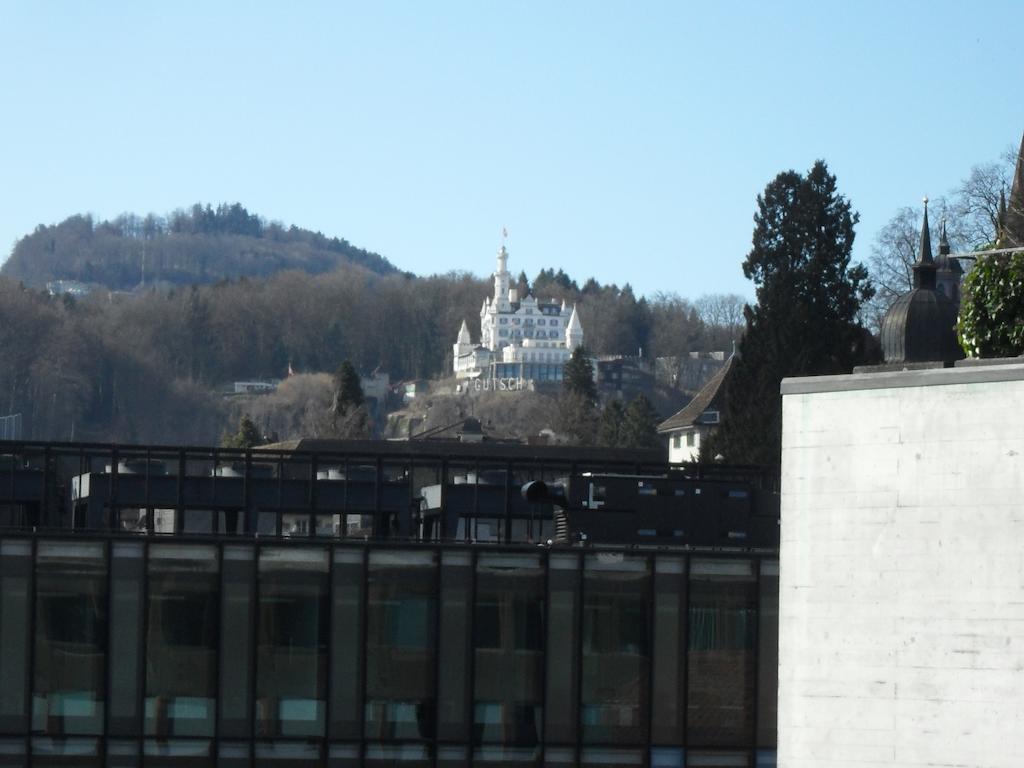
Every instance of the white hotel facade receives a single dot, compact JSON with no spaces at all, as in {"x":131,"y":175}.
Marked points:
{"x":523,"y":339}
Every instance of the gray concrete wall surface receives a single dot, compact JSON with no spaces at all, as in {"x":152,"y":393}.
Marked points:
{"x":902,"y":570}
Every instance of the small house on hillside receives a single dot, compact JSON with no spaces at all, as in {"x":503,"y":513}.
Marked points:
{"x":687,"y":429}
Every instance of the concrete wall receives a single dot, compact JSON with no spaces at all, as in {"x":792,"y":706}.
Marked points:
{"x":902,"y":570}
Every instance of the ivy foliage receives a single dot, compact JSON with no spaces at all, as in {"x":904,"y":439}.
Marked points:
{"x":991,"y":322}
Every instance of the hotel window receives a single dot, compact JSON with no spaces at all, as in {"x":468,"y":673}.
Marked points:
{"x":554,"y":322}
{"x":541,"y":321}
{"x":503,"y":320}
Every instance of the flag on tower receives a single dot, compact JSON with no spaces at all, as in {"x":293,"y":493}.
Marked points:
{"x":504,"y":232}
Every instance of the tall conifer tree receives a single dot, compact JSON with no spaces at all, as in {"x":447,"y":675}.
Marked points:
{"x":805,"y":319}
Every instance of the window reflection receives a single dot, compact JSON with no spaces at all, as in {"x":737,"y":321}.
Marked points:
{"x":71,"y":627}
{"x":181,"y":640}
{"x":400,"y":645}
{"x":291,"y":664}
{"x":722,"y":616}
{"x":508,"y":624}
{"x":616,"y":649}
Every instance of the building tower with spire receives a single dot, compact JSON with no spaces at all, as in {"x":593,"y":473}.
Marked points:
{"x":520,"y":337}
{"x":949,"y":273}
{"x":1011,"y":223}
{"x":919,"y":326}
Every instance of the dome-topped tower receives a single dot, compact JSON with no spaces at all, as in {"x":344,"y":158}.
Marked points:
{"x":919,"y":326}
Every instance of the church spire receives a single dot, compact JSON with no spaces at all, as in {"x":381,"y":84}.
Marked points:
{"x":924,"y":269}
{"x":943,"y":240}
{"x":1012,"y":229}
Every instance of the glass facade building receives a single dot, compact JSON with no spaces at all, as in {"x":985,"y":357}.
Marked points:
{"x":176,"y":651}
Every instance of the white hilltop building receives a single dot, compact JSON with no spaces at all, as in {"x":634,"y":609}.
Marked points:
{"x":523,"y":339}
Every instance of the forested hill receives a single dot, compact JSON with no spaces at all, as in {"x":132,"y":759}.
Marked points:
{"x":198,"y":245}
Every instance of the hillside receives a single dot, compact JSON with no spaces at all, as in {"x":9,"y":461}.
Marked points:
{"x":200,"y":245}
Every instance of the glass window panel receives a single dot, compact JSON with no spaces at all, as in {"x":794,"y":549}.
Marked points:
{"x":562,"y":648}
{"x":12,"y":753}
{"x":236,"y":641}
{"x":124,"y":647}
{"x":181,"y":640}
{"x":454,"y":645}
{"x":615,"y":679}
{"x":768,"y":655}
{"x":291,"y":663}
{"x":452,"y":757}
{"x":15,"y":570}
{"x":668,"y":674}
{"x":344,"y":756}
{"x":508,"y":623}
{"x":500,"y":757}
{"x":563,"y":757}
{"x":288,"y":754}
{"x":405,"y":755}
{"x":68,"y":688}
{"x":347,"y":645}
{"x":64,"y":753}
{"x":666,"y":758}
{"x":177,"y":753}
{"x":717,"y":760}
{"x":122,"y":754}
{"x":720,"y":657}
{"x":400,"y":645}
{"x":596,"y":757}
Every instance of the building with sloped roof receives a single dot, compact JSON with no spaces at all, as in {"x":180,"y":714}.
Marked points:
{"x":687,"y":429}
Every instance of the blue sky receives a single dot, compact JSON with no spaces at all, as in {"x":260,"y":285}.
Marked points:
{"x":622,"y":141}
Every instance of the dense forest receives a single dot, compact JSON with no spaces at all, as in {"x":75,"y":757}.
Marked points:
{"x":198,"y":245}
{"x":150,"y":366}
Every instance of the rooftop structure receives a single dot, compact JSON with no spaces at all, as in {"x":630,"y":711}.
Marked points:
{"x":919,"y":326}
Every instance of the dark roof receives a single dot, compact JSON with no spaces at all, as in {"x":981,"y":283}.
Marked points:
{"x":709,"y":397}
{"x":468,"y":451}
{"x":919,"y":326}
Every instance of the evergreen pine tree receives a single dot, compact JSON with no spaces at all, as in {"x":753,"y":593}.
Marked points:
{"x":609,"y":429}
{"x":348,"y":390}
{"x":805,"y":320}
{"x":247,"y":436}
{"x":578,"y":376}
{"x":640,"y":424}
{"x":350,"y":418}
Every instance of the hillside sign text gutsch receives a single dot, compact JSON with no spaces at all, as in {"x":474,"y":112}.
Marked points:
{"x":495,"y":385}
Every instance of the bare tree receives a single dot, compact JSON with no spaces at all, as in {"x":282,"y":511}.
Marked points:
{"x":722,"y":312}
{"x":976,"y":201}
{"x":971,"y":217}
{"x":894,"y":251}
